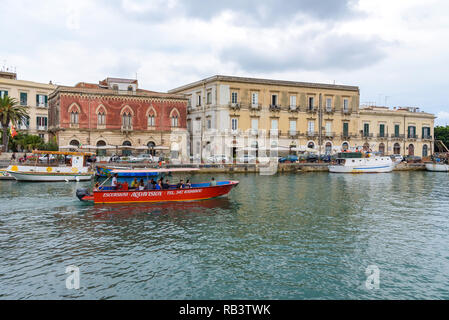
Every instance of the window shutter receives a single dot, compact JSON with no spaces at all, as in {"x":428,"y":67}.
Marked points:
{"x":46,"y":100}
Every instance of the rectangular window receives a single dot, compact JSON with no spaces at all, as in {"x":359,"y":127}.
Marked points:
{"x":209,"y":123}
{"x":346,"y":104}
{"x":174,"y":121}
{"x":274,"y":99}
{"x":255,"y":99}
{"x":151,"y":121}
{"x":41,"y":100}
{"x":42,"y":136}
{"x":23,"y":98}
{"x":328,"y":104}
{"x":328,"y":127}
{"x":412,"y":132}
{"x":198,"y":101}
{"x":74,"y":117}
{"x":366,"y":130}
{"x":234,"y":97}
{"x":292,"y":127}
{"x":425,"y":132}
{"x":3,"y":93}
{"x":381,"y":130}
{"x":209,"y":97}
{"x":274,"y":124}
{"x":254,"y":124}
{"x":345,"y":129}
{"x":311,"y":127}
{"x":311,"y":102}
{"x":396,"y":130}
{"x":41,"y":123}
{"x":234,"y":124}
{"x":293,"y":101}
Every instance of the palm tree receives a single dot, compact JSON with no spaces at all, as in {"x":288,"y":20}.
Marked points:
{"x":10,"y":111}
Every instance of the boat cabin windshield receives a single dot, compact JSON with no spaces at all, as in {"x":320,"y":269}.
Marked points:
{"x":341,"y":161}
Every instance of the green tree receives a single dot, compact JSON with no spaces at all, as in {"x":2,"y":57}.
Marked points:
{"x":442,"y":133}
{"x":10,"y":111}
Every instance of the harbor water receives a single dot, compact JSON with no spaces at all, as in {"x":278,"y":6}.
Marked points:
{"x":287,"y":236}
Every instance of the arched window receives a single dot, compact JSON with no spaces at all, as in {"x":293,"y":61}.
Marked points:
{"x":345,"y":146}
{"x":74,"y":117}
{"x":328,"y":148}
{"x":382,"y":148}
{"x":411,"y":150}
{"x":127,"y":120}
{"x":151,"y":146}
{"x":75,"y":143}
{"x":397,"y":148}
{"x":126,"y":151}
{"x":174,"y":116}
{"x":101,"y":115}
{"x":425,"y":150}
{"x":100,"y":150}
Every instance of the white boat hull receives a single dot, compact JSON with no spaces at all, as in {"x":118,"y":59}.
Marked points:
{"x":437,"y":167}
{"x":364,"y":165}
{"x":344,"y":169}
{"x":33,"y":177}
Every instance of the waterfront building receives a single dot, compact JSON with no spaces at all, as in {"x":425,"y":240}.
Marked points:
{"x":33,"y":96}
{"x":255,"y":114}
{"x":115,"y":116}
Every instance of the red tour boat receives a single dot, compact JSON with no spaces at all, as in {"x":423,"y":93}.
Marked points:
{"x":122,"y":193}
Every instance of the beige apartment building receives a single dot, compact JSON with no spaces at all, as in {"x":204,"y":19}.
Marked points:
{"x":33,"y":96}
{"x":258,"y":114}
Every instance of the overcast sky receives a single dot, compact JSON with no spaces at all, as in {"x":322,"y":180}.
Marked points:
{"x":396,"y":51}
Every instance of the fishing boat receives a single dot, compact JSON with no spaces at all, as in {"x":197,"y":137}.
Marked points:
{"x":123,"y":194}
{"x":4,"y":175}
{"x":77,"y":170}
{"x":437,"y":167}
{"x":354,"y":162}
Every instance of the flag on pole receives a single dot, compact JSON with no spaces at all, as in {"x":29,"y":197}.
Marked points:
{"x":13,"y":131}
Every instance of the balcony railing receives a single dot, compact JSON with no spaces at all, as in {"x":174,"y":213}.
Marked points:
{"x":347,"y":135}
{"x":382,"y":136}
{"x":412,"y":136}
{"x":329,"y":110}
{"x":311,"y":133}
{"x":275,"y":107}
{"x":234,"y":106}
{"x":255,"y":106}
{"x":397,"y":136}
{"x":293,"y":108}
{"x":312,"y":109}
{"x":274,"y":132}
{"x":329,"y":134}
{"x":293,"y":133}
{"x":427,"y":137}
{"x":127,"y":128}
{"x":367,"y":135}
{"x":346,"y":111}
{"x":42,"y":128}
{"x":42,"y":105}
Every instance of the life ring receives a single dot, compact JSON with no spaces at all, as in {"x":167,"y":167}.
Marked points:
{"x":14,"y":168}
{"x":49,"y":169}
{"x":74,"y":170}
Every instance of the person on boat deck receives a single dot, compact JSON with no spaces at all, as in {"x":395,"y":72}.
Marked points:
{"x":158,"y":186}
{"x":97,"y":187}
{"x":114,"y":181}
{"x":150,"y":184}
{"x":141,"y":185}
{"x":188,"y":184}
{"x":134,"y":184}
{"x":213,"y":183}
{"x":166,"y":185}
{"x":180,"y":185}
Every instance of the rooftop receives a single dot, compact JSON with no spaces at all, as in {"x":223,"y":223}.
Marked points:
{"x":266,"y":81}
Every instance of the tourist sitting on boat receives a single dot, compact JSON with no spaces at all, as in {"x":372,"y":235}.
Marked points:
{"x":180,"y":185}
{"x":188,"y":185}
{"x":134,"y":184}
{"x":114,"y":182}
{"x":158,"y":186}
{"x":213,"y":183}
{"x":166,"y":185}
{"x":141,"y":185}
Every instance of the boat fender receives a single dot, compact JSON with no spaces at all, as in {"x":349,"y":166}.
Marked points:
{"x":82,"y":192}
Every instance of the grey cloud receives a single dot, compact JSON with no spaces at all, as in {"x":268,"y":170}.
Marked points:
{"x":303,"y":53}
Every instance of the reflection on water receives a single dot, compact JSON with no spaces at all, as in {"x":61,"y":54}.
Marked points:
{"x":286,"y":236}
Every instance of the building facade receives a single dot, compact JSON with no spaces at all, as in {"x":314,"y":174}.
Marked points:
{"x":251,"y":113}
{"x":33,"y":96}
{"x":116,"y":117}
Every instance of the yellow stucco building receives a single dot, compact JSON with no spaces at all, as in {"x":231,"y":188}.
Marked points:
{"x":250,"y":113}
{"x":33,"y":96}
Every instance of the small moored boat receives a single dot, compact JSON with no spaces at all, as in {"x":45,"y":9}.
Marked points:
{"x":353,"y":162}
{"x":76,"y":171}
{"x":437,"y":167}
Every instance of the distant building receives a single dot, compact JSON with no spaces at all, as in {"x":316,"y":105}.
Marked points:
{"x":116,"y":113}
{"x":258,"y":114}
{"x":33,"y":96}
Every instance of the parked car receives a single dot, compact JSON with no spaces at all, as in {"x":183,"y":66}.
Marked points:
{"x":114,"y":158}
{"x":311,"y":157}
{"x":412,"y":159}
{"x":218,"y":158}
{"x":141,"y":158}
{"x":289,"y":158}
{"x":247,"y":158}
{"x":326,"y":157}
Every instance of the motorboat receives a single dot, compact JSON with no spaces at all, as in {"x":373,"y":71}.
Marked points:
{"x":354,"y":162}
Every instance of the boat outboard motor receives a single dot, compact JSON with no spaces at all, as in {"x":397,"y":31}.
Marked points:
{"x":81,"y":193}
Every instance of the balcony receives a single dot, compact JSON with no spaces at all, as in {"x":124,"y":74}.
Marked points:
{"x":329,"y":110}
{"x":427,"y":137}
{"x":274,"y":107}
{"x":311,"y":134}
{"x":347,"y":135}
{"x":274,"y":132}
{"x":126,"y":128}
{"x":74,"y":125}
{"x":255,"y":107}
{"x":367,"y":135}
{"x":293,"y":108}
{"x":42,"y":105}
{"x":412,"y":136}
{"x":329,"y":134}
{"x":382,"y":136}
{"x":395,"y":136}
{"x":346,"y":111}
{"x":293,"y":134}
{"x":41,"y":128}
{"x":311,"y":109}
{"x":234,"y":106}
{"x":23,"y":127}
